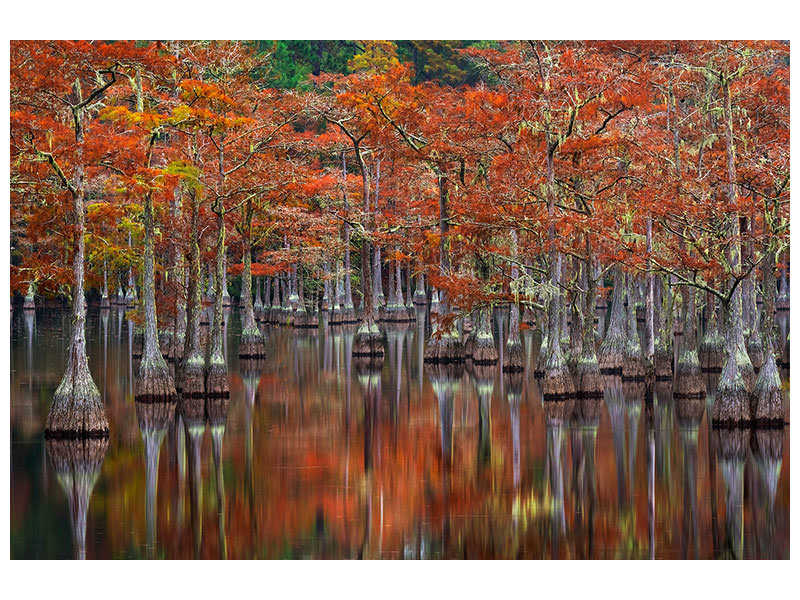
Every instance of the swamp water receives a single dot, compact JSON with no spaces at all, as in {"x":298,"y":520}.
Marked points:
{"x":314,"y":456}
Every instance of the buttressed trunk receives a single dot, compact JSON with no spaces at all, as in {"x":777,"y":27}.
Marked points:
{"x":191,"y":379}
{"x":154,"y":381}
{"x":731,"y":404}
{"x":77,"y":408}
{"x":252,"y":341}
{"x":368,"y":341}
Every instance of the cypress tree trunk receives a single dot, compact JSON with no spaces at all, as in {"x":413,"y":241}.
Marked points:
{"x":632,"y":364}
{"x":768,"y":394}
{"x":379,"y":298}
{"x":179,"y":276}
{"x":104,"y":301}
{"x":689,"y":382}
{"x":612,"y":350}
{"x":326,"y":287}
{"x":443,"y":346}
{"x":368,"y":341}
{"x":514,"y":356}
{"x":649,"y":306}
{"x":191,"y":381}
{"x":77,"y":408}
{"x":30,"y":295}
{"x":154,"y":383}
{"x":587,"y":370}
{"x":557,"y":381}
{"x":252,"y":341}
{"x":217,"y":377}
{"x":77,"y":464}
{"x":713,"y":344}
{"x":419,"y":292}
{"x":731,"y":405}
{"x":348,"y":310}
{"x":412,"y":314}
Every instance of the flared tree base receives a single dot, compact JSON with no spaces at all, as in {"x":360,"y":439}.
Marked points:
{"x":154,"y":384}
{"x":76,"y":412}
{"x":175,"y":351}
{"x":767,"y":401}
{"x":368,"y":365}
{"x":155,"y":415}
{"x":252,"y":345}
{"x":304,"y":319}
{"x":368,"y":341}
{"x":711,"y":361}
{"x":348,"y":316}
{"x":484,"y":351}
{"x":732,"y":442}
{"x":689,"y":380}
{"x":731,"y":407}
{"x":662,"y":361}
{"x":514,"y":357}
{"x":610,"y":357}
{"x":217,"y":380}
{"x":587,"y":411}
{"x":165,"y":341}
{"x":250,"y":368}
{"x":711,"y":353}
{"x":557,"y":410}
{"x":588,"y":379}
{"x":105,"y":302}
{"x":335,"y":316}
{"x":767,"y":443}
{"x":191,"y":379}
{"x":557,"y":384}
{"x":633,"y":368}
{"x":445,"y":349}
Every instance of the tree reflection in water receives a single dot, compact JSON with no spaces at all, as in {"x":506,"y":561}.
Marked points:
{"x":77,"y":464}
{"x":325,"y":458}
{"x":732,"y":446}
{"x":154,"y":419}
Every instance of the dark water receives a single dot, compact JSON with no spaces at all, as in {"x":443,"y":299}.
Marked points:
{"x":317,"y":458}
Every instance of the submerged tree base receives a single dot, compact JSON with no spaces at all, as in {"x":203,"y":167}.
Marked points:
{"x":731,"y":407}
{"x":767,"y":401}
{"x":514,"y":357}
{"x":154,"y":384}
{"x":611,"y":357}
{"x":252,"y":345}
{"x":191,"y":378}
{"x":484,"y":351}
{"x":217,"y":380}
{"x":557,"y":384}
{"x":347,"y":316}
{"x":444,"y":349}
{"x":633,"y":369}
{"x":77,"y":412}
{"x":588,"y":379}
{"x":689,"y":380}
{"x":303,"y":319}
{"x":662,"y":360}
{"x":368,"y":341}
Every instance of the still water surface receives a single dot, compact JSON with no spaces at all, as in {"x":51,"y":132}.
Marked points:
{"x":315,"y":457}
